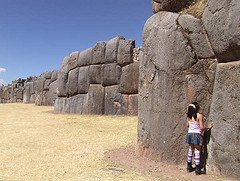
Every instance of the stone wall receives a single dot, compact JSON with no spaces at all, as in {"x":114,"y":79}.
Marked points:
{"x":182,"y":60}
{"x":12,"y":92}
{"x":177,"y":66}
{"x":41,"y":90}
{"x":100,"y":80}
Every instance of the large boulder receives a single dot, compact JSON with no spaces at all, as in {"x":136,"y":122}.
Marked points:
{"x":95,"y":100}
{"x":225,"y":113}
{"x":99,"y":53}
{"x":72,"y":83}
{"x":125,"y":52}
{"x":112,"y":49}
{"x":171,"y":76}
{"x":83,"y":80}
{"x":170,"y":5}
{"x":222,"y":23}
{"x":115,"y":103}
{"x":111,"y":74}
{"x":95,"y":74}
{"x":85,"y":57}
{"x":70,"y":62}
{"x":129,"y":79}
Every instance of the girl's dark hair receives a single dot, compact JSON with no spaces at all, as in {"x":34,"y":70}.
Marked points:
{"x":191,"y":112}
{"x":197,"y":106}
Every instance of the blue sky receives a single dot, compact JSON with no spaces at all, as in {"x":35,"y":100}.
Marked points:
{"x":35,"y":35}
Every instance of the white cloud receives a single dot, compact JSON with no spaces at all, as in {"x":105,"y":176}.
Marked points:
{"x":2,"y":70}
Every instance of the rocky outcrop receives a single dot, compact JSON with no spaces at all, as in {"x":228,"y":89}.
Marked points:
{"x":100,"y":80}
{"x":177,"y":66}
{"x":170,"y":5}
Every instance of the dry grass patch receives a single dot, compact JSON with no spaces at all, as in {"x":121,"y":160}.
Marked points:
{"x":196,"y":8}
{"x":39,"y":145}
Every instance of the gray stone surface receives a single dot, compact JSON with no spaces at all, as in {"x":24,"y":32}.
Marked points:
{"x":46,"y":84}
{"x":111,"y":74}
{"x":222,"y":22}
{"x":99,"y":53}
{"x":115,"y":104}
{"x":168,"y":70}
{"x":225,"y":113}
{"x":72,"y":83}
{"x":95,"y":74}
{"x":59,"y":105}
{"x":125,"y":52}
{"x":70,"y":62}
{"x":40,"y":84}
{"x":132,"y":105}
{"x":112,"y":49}
{"x":83,"y":80}
{"x":129,"y":79}
{"x":95,"y":100}
{"x":47,"y":75}
{"x":170,"y":5}
{"x":194,"y":32}
{"x":156,"y":7}
{"x":62,"y":81}
{"x":85,"y":57}
{"x":54,"y":76}
{"x":76,"y":104}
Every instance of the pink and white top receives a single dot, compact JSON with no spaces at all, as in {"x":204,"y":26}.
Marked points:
{"x":194,"y":127}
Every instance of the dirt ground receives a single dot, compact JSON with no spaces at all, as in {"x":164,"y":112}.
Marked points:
{"x":37,"y":144}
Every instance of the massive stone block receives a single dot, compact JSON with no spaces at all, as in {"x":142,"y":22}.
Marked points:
{"x":193,"y":31}
{"x":111,"y":74}
{"x":225,"y":113}
{"x":222,"y":23}
{"x":95,"y":100}
{"x":83,"y":80}
{"x":40,"y":84}
{"x":125,"y":52}
{"x":115,"y":104}
{"x":62,"y":81}
{"x":54,"y":76}
{"x":129,"y":79}
{"x":59,"y":105}
{"x":99,"y":53}
{"x":132,"y":105}
{"x":95,"y":74}
{"x":169,"y":72}
{"x":72,"y":83}
{"x":85,"y":57}
{"x":47,"y":75}
{"x":76,"y":104}
{"x":111,"y":49}
{"x":70,"y":62}
{"x":46,"y":84}
{"x":170,"y":5}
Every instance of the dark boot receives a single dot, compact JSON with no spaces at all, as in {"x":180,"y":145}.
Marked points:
{"x":198,"y":170}
{"x":189,"y":167}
